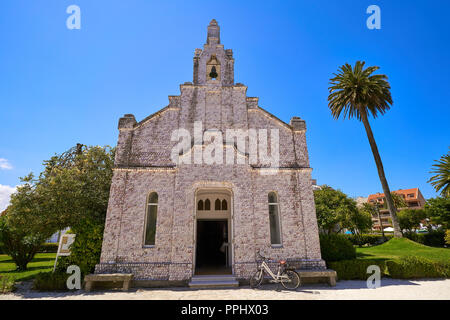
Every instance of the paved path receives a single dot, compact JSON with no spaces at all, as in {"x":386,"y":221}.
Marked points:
{"x":390,"y":289}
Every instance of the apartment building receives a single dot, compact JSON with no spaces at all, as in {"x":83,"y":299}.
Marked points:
{"x":412,"y":197}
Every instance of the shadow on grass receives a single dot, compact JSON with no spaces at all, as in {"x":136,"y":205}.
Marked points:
{"x":31,"y":271}
{"x":35,"y":260}
{"x":42,"y":260}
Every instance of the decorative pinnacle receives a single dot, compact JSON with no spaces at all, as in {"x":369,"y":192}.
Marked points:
{"x":213,"y":33}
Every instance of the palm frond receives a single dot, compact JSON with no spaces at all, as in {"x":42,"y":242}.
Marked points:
{"x":441,"y":180}
{"x":356,"y":90}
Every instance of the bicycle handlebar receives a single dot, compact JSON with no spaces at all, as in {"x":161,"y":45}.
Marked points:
{"x":265,"y":258}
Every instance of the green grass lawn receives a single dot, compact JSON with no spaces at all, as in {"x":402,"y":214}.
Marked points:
{"x":42,"y":262}
{"x":396,"y":248}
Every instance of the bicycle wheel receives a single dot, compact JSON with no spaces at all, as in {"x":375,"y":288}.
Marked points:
{"x":290,"y":280}
{"x":256,"y":279}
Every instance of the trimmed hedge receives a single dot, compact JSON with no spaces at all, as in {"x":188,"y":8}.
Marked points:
{"x":370,"y":239}
{"x":336,"y":247}
{"x":411,"y":267}
{"x":50,"y":281}
{"x":404,"y":268}
{"x":356,"y":269}
{"x":435,"y":238}
{"x":49,"y":248}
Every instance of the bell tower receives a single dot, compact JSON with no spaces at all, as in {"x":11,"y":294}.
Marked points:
{"x":213,"y":65}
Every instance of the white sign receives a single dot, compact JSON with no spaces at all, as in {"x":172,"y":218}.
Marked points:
{"x":64,"y":246}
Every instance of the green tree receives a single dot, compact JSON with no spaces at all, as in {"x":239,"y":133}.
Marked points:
{"x":438,"y":210}
{"x":399,"y":202}
{"x":362,"y":221}
{"x":76,"y":184}
{"x":441,"y":180}
{"x":72,"y":191}
{"x":76,"y":187}
{"x":356,"y":92}
{"x":410,"y":219}
{"x":358,"y":221}
{"x":333,"y":209}
{"x":22,"y":230}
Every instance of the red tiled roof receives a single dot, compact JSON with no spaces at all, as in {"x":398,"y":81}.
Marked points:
{"x":401,"y":191}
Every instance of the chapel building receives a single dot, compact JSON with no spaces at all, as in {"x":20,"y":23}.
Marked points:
{"x":188,"y":198}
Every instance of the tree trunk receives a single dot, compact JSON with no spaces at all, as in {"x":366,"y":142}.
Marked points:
{"x":384,"y":183}
{"x":379,"y":221}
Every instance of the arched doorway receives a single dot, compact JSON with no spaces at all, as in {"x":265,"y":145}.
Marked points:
{"x":213,"y":252}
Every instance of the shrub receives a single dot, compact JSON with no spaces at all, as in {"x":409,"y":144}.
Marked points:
{"x":336,"y":247}
{"x":435,"y":238}
{"x":6,"y":284}
{"x":62,"y":264}
{"x":86,"y":249}
{"x":447,"y":236}
{"x":416,"y":237}
{"x":50,"y":281}
{"x":49,"y":248}
{"x":356,"y":269}
{"x":411,"y":267}
{"x":370,"y":239}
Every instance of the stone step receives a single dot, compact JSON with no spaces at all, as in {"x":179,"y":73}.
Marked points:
{"x":213,"y":281}
{"x":220,"y":277}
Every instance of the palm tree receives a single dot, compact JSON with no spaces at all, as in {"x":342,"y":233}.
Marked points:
{"x":441,"y":181}
{"x":356,"y":92}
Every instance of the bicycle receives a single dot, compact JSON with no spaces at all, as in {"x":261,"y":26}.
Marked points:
{"x":288,"y":277}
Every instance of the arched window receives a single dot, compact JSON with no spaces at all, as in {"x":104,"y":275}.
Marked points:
{"x":150,"y":221}
{"x":200,"y":205}
{"x":274,"y":219}
{"x":207,"y":204}
{"x":224,"y":205}
{"x":217,"y":205}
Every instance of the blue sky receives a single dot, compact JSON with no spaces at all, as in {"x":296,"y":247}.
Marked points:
{"x":60,"y":86}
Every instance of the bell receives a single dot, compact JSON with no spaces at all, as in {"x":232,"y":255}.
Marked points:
{"x":213,"y":74}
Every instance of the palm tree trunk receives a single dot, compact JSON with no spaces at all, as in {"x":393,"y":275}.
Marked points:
{"x":384,"y":183}
{"x":379,"y":221}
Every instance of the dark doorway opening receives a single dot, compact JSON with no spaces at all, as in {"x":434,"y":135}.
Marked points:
{"x":211,"y":251}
